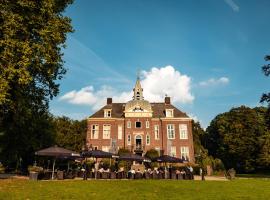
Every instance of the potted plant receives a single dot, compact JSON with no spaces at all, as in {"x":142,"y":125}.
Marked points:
{"x":34,"y":171}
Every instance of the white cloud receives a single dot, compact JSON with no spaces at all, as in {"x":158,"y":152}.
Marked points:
{"x":233,"y":5}
{"x":156,"y":83}
{"x":215,"y":82}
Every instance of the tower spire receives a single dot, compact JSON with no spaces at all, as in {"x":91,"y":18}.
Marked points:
{"x":138,"y":91}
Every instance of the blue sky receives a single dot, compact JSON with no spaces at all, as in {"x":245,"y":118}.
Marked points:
{"x":205,"y":54}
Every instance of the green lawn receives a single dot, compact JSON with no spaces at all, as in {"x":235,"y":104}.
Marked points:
{"x":135,"y":189}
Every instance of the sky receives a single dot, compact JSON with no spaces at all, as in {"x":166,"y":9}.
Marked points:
{"x":206,"y":55}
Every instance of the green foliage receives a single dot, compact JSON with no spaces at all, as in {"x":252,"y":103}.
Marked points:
{"x":152,"y":153}
{"x":69,"y":133}
{"x":32,"y":34}
{"x":234,"y":137}
{"x":266,"y":70}
{"x":123,"y":151}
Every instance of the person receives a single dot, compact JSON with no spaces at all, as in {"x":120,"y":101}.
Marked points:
{"x":84,"y":171}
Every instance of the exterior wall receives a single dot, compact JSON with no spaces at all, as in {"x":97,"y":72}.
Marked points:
{"x":163,"y":143}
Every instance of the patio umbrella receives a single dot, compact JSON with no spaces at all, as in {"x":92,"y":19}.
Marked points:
{"x":168,"y":159}
{"x":98,"y":154}
{"x":134,"y":157}
{"x":57,"y":152}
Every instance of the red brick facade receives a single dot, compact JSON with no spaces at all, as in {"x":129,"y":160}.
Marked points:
{"x":151,"y":131}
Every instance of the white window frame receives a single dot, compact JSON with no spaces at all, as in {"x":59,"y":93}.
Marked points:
{"x":183,"y":131}
{"x":170,"y":131}
{"x":94,"y":131}
{"x":169,"y":112}
{"x":128,"y":124}
{"x":120,"y":132}
{"x":105,"y":148}
{"x":147,"y":139}
{"x":147,"y":124}
{"x":128,"y":139}
{"x":184,"y":152}
{"x":107,"y":113}
{"x":173,"y":151}
{"x":106,"y":132}
{"x":156,"y":131}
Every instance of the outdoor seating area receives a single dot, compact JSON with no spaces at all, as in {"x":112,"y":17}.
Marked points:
{"x":97,"y":164}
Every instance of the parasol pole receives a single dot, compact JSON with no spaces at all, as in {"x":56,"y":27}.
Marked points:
{"x":53,"y":169}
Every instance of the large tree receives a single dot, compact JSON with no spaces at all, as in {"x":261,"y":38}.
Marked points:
{"x":266,"y":70}
{"x":32,"y":34}
{"x":70,"y":133}
{"x":234,"y":137}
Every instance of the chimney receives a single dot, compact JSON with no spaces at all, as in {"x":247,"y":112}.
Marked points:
{"x":167,"y":100}
{"x":109,"y":100}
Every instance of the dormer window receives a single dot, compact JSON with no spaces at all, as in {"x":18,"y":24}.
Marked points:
{"x":107,"y":113}
{"x":169,"y":112}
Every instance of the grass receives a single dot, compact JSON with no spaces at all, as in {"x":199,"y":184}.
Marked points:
{"x":135,"y":189}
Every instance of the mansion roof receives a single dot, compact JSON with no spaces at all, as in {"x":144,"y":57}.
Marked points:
{"x":157,"y":108}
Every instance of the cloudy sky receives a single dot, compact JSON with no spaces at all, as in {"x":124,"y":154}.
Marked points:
{"x":207,"y":55}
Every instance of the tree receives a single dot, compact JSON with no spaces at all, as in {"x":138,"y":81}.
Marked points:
{"x":266,"y":70}
{"x":233,"y":137}
{"x":69,"y":133}
{"x":32,"y":34}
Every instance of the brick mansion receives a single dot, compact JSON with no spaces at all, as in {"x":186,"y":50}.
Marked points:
{"x":139,"y":126}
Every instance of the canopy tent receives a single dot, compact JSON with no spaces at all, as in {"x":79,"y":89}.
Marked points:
{"x":57,"y":152}
{"x":134,"y":157}
{"x":98,"y":154}
{"x":168,"y":159}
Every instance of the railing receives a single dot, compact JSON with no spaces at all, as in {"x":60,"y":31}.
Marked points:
{"x":138,"y":148}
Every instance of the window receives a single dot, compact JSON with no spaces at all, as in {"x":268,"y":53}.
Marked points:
{"x":147,"y":139}
{"x":128,"y":139}
{"x":147,"y":124}
{"x":156,"y":130}
{"x":173,"y":151}
{"x":170,"y":131}
{"x":138,"y":124}
{"x":105,"y":148}
{"x":120,"y":132}
{"x":128,"y":124}
{"x":183,"y":131}
{"x":107,"y":113}
{"x":169,"y":112}
{"x":185,"y":153}
{"x":94,"y":132}
{"x":106,"y":131}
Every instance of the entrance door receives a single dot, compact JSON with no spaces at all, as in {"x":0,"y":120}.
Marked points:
{"x":138,"y":141}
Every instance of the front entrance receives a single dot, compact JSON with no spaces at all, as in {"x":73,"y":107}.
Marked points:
{"x":138,"y":142}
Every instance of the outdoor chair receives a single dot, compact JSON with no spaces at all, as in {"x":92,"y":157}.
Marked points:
{"x":147,"y":175}
{"x":179,"y":177}
{"x":160,"y":175}
{"x":173,"y":175}
{"x":60,"y":175}
{"x":138,"y":175}
{"x":166,"y":175}
{"x":155,"y":175}
{"x":113,"y":175}
{"x":99,"y":175}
